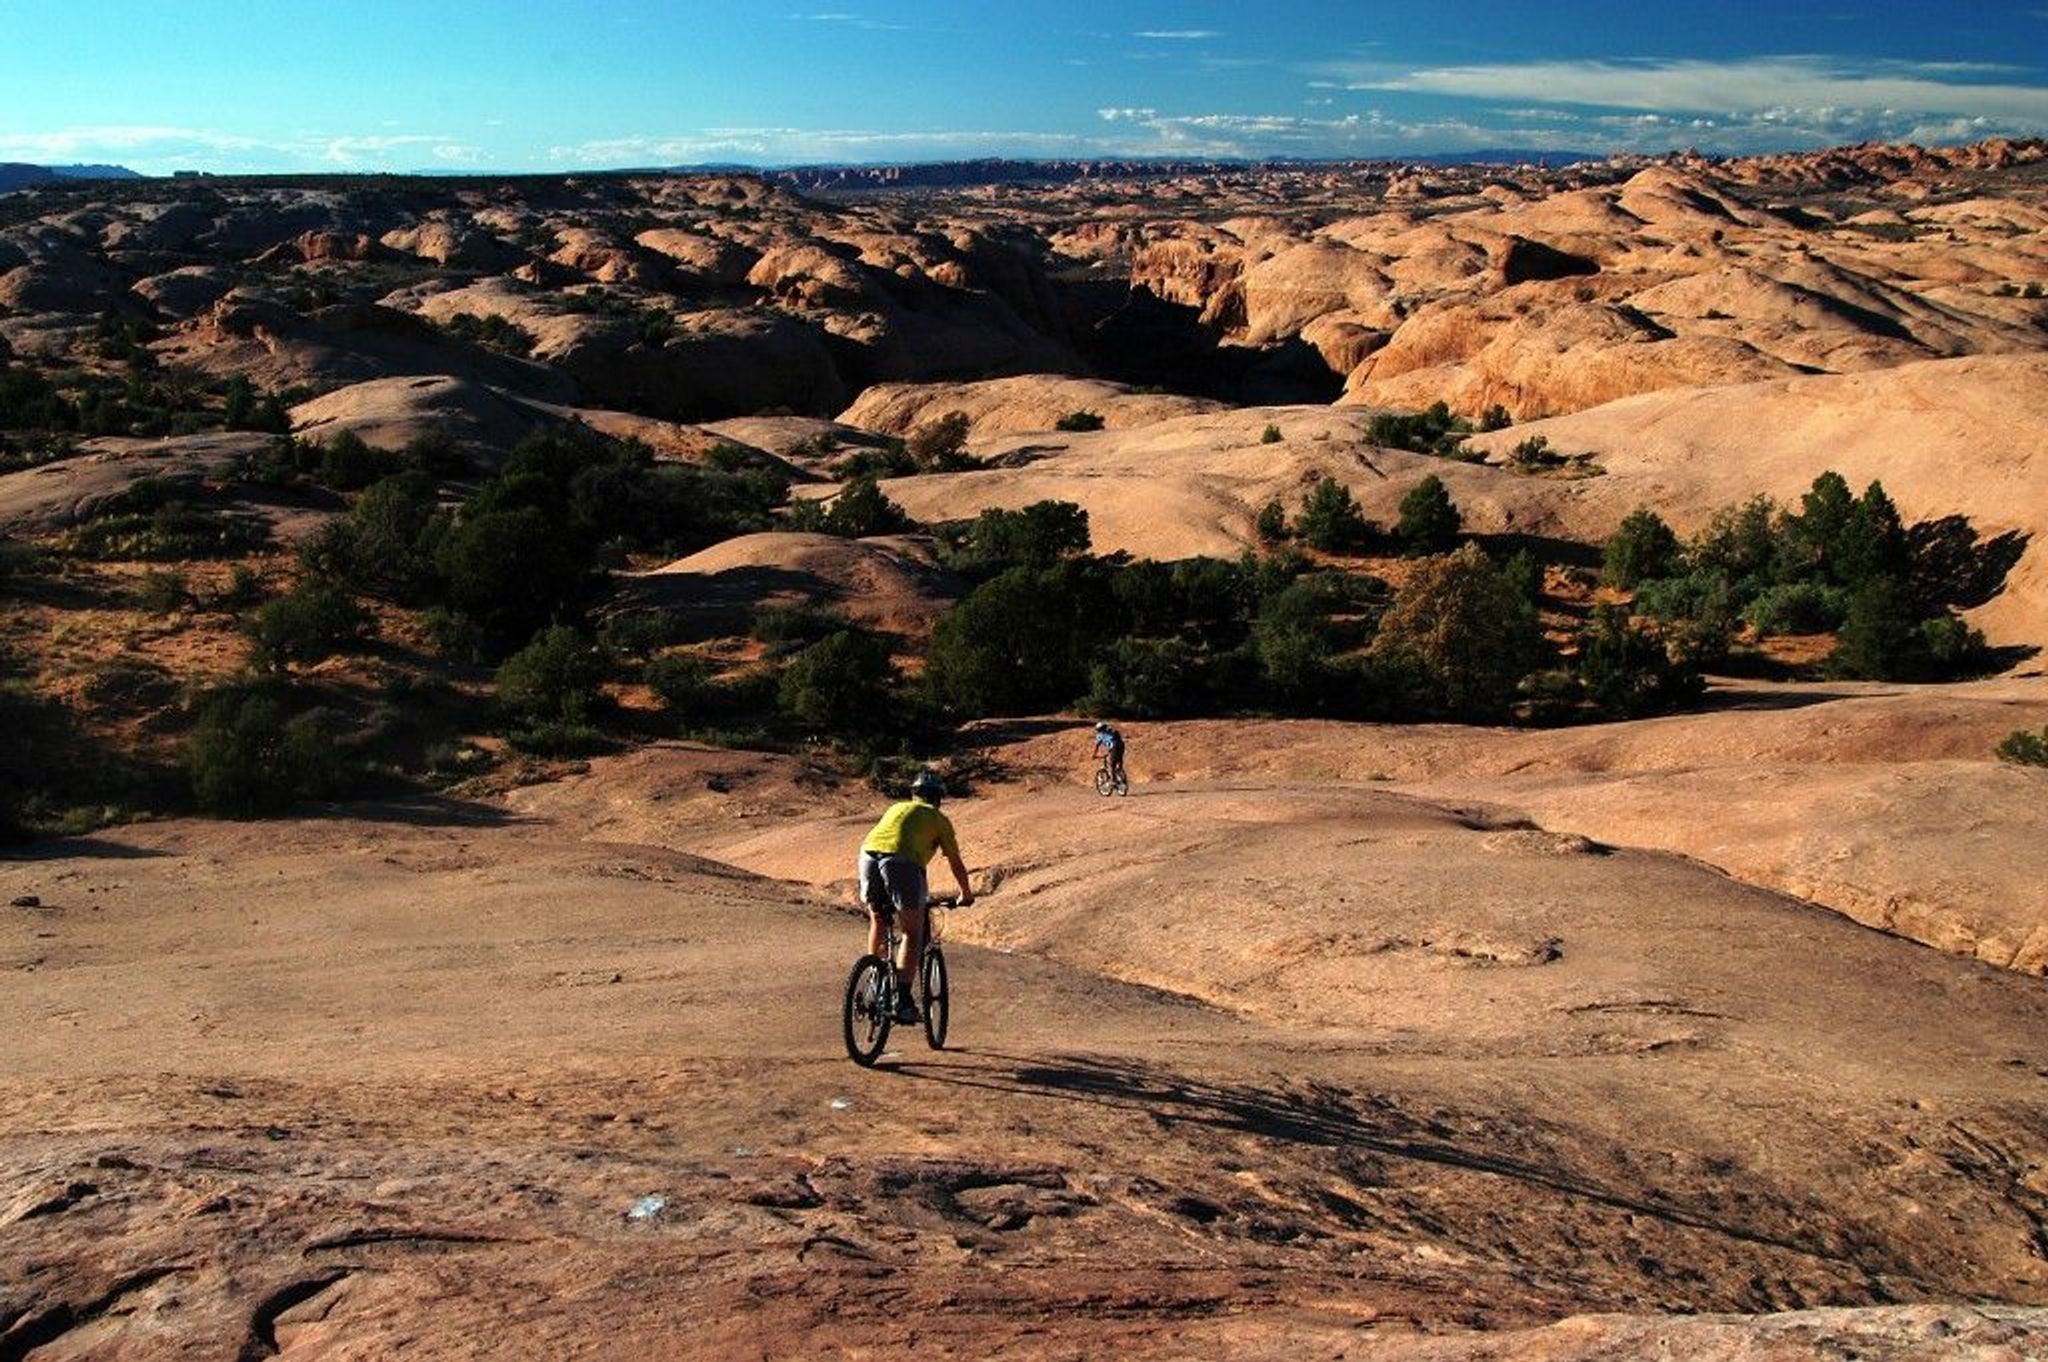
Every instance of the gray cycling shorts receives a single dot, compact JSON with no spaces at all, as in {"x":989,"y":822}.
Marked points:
{"x":891,"y":882}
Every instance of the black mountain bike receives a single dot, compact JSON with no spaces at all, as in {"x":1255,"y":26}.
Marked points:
{"x":870,"y":1007}
{"x":1111,"y":780}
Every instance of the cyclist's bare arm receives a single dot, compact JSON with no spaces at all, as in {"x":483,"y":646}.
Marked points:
{"x":960,"y":878}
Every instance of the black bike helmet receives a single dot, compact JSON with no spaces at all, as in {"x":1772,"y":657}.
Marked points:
{"x":1102,"y":725}
{"x":928,"y":787}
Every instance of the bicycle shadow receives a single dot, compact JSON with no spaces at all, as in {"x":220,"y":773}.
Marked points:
{"x":1320,"y":1115}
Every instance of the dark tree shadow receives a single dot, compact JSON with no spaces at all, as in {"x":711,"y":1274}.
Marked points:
{"x":1721,"y":700}
{"x":78,"y":848}
{"x":1317,"y":1115}
{"x":426,"y":811}
{"x":1953,"y":566}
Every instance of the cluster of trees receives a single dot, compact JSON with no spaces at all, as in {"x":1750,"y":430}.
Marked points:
{"x":653,"y":324}
{"x":1839,"y":563}
{"x":503,"y":576}
{"x":164,"y":520}
{"x":1434,"y":430}
{"x":146,"y":398}
{"x":938,"y":445}
{"x":1330,"y":521}
{"x":492,"y":331}
{"x":506,"y":572}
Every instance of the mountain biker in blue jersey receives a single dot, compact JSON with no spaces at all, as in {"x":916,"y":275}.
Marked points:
{"x":1109,"y":745}
{"x":892,"y":877}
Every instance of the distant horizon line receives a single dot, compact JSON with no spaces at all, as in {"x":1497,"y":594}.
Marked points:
{"x":1506,"y":156}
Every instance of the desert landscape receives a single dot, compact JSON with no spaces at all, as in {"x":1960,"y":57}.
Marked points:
{"x":1583,"y":892}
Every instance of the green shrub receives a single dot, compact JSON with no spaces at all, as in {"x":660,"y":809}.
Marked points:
{"x":1295,"y":644}
{"x":1524,"y":576}
{"x":862,"y":510}
{"x":1460,"y":624}
{"x":1745,"y":546}
{"x":454,"y":635}
{"x":1641,"y":548}
{"x":1880,"y":640}
{"x":347,"y":464}
{"x":939,"y":445}
{"x":1429,"y":521}
{"x":387,"y":543}
{"x":244,"y":589}
{"x":508,"y":570}
{"x":685,"y":687}
{"x":492,"y":331}
{"x":839,"y":686}
{"x":163,"y":593}
{"x":1952,"y":647}
{"x":1022,"y":641}
{"x":891,"y":460}
{"x":798,"y":623}
{"x":1496,"y":417}
{"x":243,"y":408}
{"x":314,"y":620}
{"x":1698,"y":595}
{"x":2028,"y":749}
{"x":551,"y":681}
{"x":1627,"y":672}
{"x":1873,"y":542}
{"x":640,"y":633}
{"x":1534,"y":455}
{"x":1797,"y":608}
{"x":1146,"y":678}
{"x":1434,"y":431}
{"x":1039,"y":535}
{"x":1814,"y":532}
{"x":1271,"y":526}
{"x":1698,"y":612}
{"x":249,"y":755}
{"x":1270,"y":435}
{"x":153,"y":520}
{"x":1330,"y":519}
{"x":1075,"y":421}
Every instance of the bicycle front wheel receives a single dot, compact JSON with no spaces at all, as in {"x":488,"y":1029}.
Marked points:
{"x":865,"y":1015}
{"x":938,"y":997}
{"x":1105,"y":783}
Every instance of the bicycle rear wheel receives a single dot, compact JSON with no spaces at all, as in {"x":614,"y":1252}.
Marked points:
{"x":1121,"y":784}
{"x":865,"y":1016}
{"x":938,"y":997}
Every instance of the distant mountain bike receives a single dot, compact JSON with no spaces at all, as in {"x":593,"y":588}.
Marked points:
{"x":1110,"y":781}
{"x":870,"y":1007}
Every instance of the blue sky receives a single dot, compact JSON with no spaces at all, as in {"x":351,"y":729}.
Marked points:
{"x":264,"y":85}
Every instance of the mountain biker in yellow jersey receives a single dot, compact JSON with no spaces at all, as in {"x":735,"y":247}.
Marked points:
{"x":892,"y":876}
{"x":1109,"y":745}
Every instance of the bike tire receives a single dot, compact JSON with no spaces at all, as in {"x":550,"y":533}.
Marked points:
{"x":1105,"y":784}
{"x":865,"y":1016}
{"x":937,"y":1002}
{"x":1121,"y":785}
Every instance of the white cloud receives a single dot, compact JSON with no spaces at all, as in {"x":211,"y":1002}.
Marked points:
{"x":1126,"y":115}
{"x":1178,"y":34}
{"x":797,"y":146}
{"x":1747,"y":85}
{"x":851,"y":20}
{"x":161,"y":148}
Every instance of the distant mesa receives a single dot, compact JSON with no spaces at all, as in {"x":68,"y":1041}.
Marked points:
{"x":20,"y":175}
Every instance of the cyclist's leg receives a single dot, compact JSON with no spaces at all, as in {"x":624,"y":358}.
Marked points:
{"x":906,"y":886}
{"x":874,"y":896}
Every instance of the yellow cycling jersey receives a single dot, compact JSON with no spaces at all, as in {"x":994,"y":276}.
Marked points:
{"x":915,"y":829}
